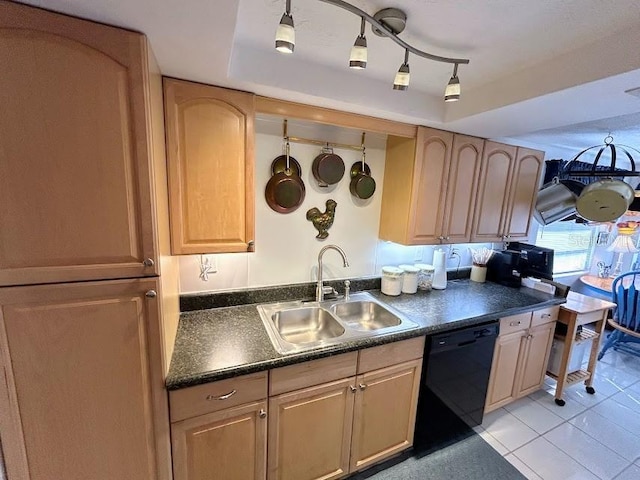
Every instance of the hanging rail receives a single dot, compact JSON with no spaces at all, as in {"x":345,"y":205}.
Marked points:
{"x":310,"y":141}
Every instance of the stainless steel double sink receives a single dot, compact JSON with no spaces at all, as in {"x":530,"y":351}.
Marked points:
{"x":299,"y":326}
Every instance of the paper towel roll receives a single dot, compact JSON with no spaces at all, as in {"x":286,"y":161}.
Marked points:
{"x":440,"y":274}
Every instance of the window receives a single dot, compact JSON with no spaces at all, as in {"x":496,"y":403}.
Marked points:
{"x":572,"y":244}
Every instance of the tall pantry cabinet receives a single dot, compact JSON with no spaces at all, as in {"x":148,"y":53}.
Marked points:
{"x":86,"y":319}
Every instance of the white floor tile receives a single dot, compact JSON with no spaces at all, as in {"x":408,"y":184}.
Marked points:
{"x":495,"y":444}
{"x":534,"y":415}
{"x":507,"y":429}
{"x":569,"y":410}
{"x":623,"y":442}
{"x":620,"y":375}
{"x":551,"y":463}
{"x":587,"y":451}
{"x":522,"y":467}
{"x":619,"y":414}
{"x":629,"y":399}
{"x":631,"y":473}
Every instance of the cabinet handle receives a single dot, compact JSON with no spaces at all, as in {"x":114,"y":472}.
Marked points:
{"x":447,"y":238}
{"x":362,"y":386}
{"x":251,"y":246}
{"x":222,"y":397}
{"x":515,"y":324}
{"x":148,"y":262}
{"x":263,"y":413}
{"x":151,"y":294}
{"x":545,"y":315}
{"x":529,"y":337}
{"x":353,"y":389}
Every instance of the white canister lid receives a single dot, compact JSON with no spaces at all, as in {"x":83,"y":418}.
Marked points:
{"x":392,"y":271}
{"x":409,"y":268}
{"x":426,"y":267}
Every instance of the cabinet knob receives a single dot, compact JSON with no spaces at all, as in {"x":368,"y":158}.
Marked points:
{"x":251,"y":246}
{"x":151,"y":294}
{"x":362,"y":386}
{"x":263,"y":413}
{"x":148,"y":262}
{"x":353,"y":389}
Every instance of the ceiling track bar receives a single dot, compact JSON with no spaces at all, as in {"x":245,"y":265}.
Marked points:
{"x":310,"y":141}
{"x":385,"y":31}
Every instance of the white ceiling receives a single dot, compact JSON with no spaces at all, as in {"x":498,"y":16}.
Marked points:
{"x":542,"y":73}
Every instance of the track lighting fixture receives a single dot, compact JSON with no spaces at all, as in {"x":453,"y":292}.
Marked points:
{"x":358,"y":57}
{"x":286,"y":34}
{"x":401,"y":81}
{"x":388,"y":22}
{"x":452,"y":92}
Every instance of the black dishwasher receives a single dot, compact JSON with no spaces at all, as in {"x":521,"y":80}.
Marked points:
{"x":454,"y":383}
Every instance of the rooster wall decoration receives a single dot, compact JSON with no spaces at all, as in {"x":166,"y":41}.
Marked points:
{"x":322,"y":221}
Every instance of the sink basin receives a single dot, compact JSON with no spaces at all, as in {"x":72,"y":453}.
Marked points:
{"x":307,"y":324}
{"x":296,"y":326}
{"x":365,"y":315}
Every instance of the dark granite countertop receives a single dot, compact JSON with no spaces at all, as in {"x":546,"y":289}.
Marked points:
{"x":224,"y":342}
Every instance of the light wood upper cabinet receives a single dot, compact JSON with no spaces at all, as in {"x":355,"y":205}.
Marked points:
{"x":507,"y":192}
{"x":75,"y":174}
{"x":230,"y":444}
{"x":310,"y":432}
{"x":83,"y":396}
{"x":385,"y":413}
{"x":210,"y":155}
{"x":429,"y":187}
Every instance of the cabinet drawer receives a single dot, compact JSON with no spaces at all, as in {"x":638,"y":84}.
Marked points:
{"x":515,"y":323}
{"x":314,"y":372}
{"x":390,"y":354}
{"x":545,"y":315}
{"x":215,"y":396}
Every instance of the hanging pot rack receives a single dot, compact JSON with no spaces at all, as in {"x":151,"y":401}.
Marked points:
{"x":614,"y":152}
{"x":322,"y":143}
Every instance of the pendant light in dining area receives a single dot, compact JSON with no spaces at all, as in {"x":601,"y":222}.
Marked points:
{"x":388,"y":22}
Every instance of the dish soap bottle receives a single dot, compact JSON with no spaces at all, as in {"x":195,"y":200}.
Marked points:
{"x":440,"y":273}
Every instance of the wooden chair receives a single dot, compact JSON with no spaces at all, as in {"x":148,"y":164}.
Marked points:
{"x":626,"y":315}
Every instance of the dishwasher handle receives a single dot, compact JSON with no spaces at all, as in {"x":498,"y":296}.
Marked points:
{"x":464,"y":337}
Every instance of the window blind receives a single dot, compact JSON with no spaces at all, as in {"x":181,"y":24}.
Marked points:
{"x":572,"y":244}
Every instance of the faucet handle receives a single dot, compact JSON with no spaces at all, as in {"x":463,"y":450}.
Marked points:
{"x":328,"y":290}
{"x":347,"y":287}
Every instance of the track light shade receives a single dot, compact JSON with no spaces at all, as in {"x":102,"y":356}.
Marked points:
{"x":452,"y":92}
{"x":401,"y":81}
{"x":358,"y":57}
{"x":285,"y":34}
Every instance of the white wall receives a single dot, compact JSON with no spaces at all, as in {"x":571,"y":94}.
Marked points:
{"x":286,"y":247}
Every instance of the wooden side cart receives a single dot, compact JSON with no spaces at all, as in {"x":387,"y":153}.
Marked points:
{"x":590,"y":314}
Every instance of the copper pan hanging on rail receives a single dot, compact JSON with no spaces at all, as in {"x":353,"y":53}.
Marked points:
{"x":285,"y":190}
{"x":327,"y":168}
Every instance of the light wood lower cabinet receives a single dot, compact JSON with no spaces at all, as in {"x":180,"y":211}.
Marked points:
{"x":520,"y":356}
{"x":230,"y":444}
{"x":385,"y":413}
{"x":310,"y":432}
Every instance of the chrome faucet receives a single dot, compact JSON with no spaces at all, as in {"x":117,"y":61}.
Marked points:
{"x":320,"y":286}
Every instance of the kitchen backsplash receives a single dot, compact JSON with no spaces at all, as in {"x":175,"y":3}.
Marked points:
{"x":286,"y":247}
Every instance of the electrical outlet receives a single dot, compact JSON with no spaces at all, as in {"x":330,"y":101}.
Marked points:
{"x":418,"y":254}
{"x":454,"y":253}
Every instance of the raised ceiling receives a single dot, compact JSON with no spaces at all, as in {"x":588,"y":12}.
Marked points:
{"x":543,"y":65}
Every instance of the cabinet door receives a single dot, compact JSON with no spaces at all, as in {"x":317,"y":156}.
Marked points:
{"x":210,"y":149}
{"x":385,"y":413}
{"x":431,"y":170}
{"x":310,"y":432}
{"x":524,"y":191}
{"x":535,"y":358}
{"x":84,"y":393}
{"x":493,"y":192}
{"x":504,"y":370}
{"x":462,"y":186}
{"x":227,"y":445}
{"x":75,"y":180}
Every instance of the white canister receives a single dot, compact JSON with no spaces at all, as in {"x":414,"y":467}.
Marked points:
{"x":425,"y":276}
{"x":409,"y":278}
{"x":391,"y":281}
{"x":478,"y":273}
